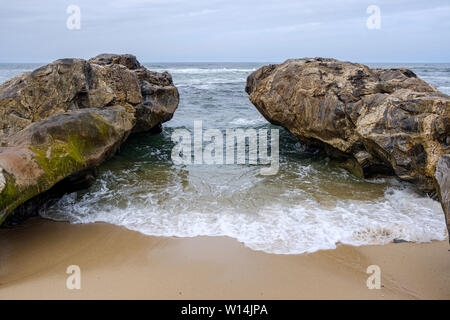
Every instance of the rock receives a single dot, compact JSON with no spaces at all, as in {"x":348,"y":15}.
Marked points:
{"x":372,"y":121}
{"x":50,"y":150}
{"x":127,"y":60}
{"x":71,"y":84}
{"x":159,"y":101}
{"x":159,"y":96}
{"x":59,"y":122}
{"x":442,"y":182}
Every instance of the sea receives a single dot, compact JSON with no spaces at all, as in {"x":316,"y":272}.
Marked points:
{"x":309,"y":205}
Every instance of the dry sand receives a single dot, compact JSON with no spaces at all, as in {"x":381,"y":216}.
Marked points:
{"x":120,"y":264}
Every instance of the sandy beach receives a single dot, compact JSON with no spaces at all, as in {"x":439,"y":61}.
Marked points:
{"x":117,"y":263}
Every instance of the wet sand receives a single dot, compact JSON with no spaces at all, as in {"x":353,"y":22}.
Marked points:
{"x":117,"y":263}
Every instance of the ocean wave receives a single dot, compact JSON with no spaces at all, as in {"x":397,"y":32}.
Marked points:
{"x":445,"y":90}
{"x":281,"y":229}
{"x":203,"y":70}
{"x":244,"y":122}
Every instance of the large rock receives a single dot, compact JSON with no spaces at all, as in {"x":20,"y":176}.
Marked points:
{"x":442,"y":181}
{"x":50,"y":150}
{"x":69,"y":116}
{"x":373,"y":121}
{"x":71,"y":84}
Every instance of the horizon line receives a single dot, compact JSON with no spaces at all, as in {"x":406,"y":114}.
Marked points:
{"x":228,"y":61}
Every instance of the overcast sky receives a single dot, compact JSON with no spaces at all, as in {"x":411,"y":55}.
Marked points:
{"x":226,"y":30}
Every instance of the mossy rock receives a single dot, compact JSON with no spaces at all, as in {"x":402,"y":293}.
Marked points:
{"x":57,"y":148}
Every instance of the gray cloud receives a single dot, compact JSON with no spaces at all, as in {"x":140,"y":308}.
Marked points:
{"x":231,"y":30}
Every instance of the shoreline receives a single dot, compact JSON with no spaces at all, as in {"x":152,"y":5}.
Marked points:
{"x":117,"y":263}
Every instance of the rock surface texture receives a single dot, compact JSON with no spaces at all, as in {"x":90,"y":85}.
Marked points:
{"x":442,"y":181}
{"x":373,"y":121}
{"x":69,"y":116}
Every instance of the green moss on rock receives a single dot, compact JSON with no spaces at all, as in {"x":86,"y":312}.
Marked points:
{"x":12,"y":196}
{"x":70,"y":146}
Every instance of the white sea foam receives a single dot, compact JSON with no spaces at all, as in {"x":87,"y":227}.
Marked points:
{"x":203,"y":70}
{"x":249,"y":122}
{"x":307,"y":226}
{"x":445,"y":90}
